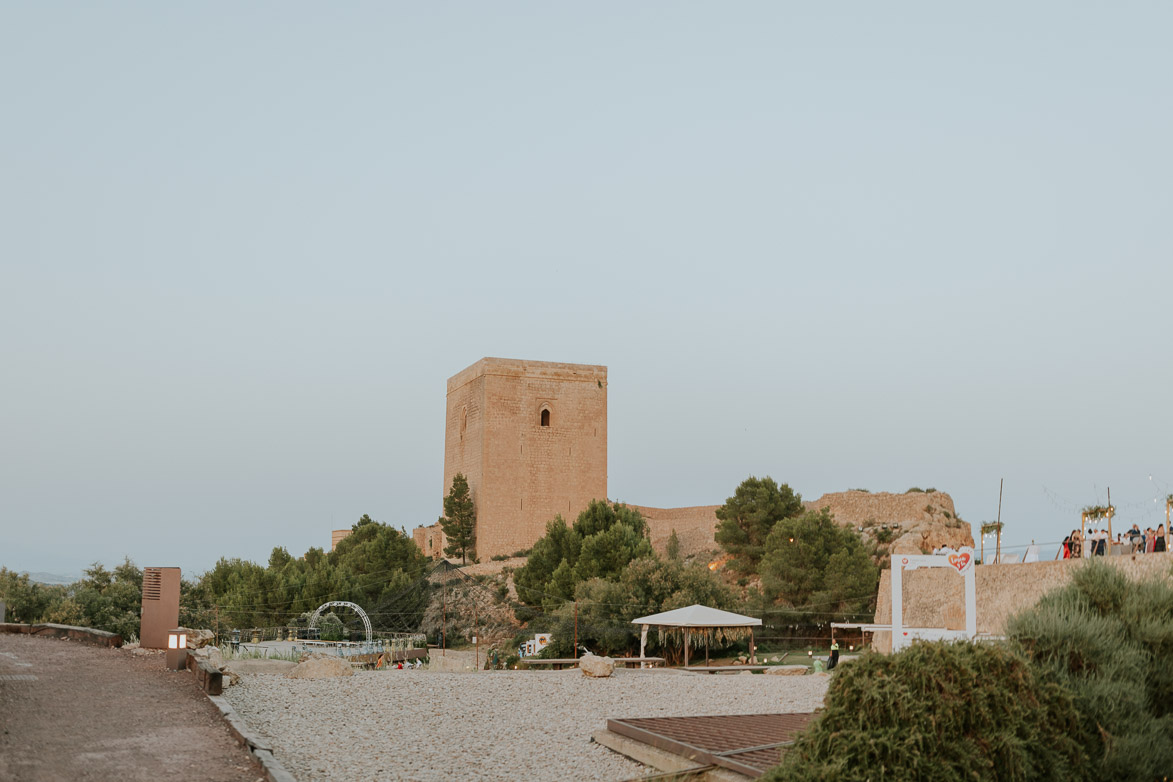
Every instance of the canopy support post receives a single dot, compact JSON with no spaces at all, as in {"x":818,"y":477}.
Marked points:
{"x":753,"y":660}
{"x":686,"y":647}
{"x":643,"y":642}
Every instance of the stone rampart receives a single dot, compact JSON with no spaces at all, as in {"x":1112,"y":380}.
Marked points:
{"x":694,"y":527}
{"x":934,"y":597}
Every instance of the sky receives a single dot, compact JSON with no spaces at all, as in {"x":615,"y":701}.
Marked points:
{"x":849,"y":245}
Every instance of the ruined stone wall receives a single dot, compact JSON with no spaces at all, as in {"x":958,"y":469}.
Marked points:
{"x":523,"y":473}
{"x":430,"y":540}
{"x":935,"y":597}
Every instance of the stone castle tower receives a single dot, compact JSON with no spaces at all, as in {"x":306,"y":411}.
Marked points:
{"x":531,"y":438}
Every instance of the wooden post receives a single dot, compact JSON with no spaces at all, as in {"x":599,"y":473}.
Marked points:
{"x":706,"y":650}
{"x":1082,"y":533}
{"x":686,"y":647}
{"x":576,"y":629}
{"x":752,"y":654}
{"x":444,"y":621}
{"x":476,"y":629}
{"x":997,"y":556}
{"x":1168,"y":532}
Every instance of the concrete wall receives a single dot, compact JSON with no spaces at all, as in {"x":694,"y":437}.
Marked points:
{"x":934,"y":597}
{"x":523,"y":474}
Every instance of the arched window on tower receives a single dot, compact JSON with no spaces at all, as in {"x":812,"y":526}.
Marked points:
{"x":545,"y":417}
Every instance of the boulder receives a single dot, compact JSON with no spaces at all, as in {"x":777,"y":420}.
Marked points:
{"x":787,"y":670}
{"x":197,"y":639}
{"x":210,"y":653}
{"x":596,"y":667}
{"x":321,"y":668}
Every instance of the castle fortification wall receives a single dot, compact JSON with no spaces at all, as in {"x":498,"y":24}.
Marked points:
{"x":694,"y":527}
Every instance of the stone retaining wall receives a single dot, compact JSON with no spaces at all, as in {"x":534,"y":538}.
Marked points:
{"x":934,"y":597}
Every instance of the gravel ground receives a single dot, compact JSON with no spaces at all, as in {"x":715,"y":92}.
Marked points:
{"x":503,"y":725}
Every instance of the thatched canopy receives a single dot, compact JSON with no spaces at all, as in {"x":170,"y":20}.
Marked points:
{"x":698,"y":625}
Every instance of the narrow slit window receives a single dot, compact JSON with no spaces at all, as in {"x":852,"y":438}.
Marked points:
{"x":545,"y":418}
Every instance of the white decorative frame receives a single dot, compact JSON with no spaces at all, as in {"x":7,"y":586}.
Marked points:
{"x":962,"y":562}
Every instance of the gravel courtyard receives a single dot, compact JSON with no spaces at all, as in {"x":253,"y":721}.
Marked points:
{"x":503,"y":725}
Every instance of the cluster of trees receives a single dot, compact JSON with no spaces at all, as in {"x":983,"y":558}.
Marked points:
{"x":593,"y":577}
{"x":373,"y":566}
{"x":370,"y":566}
{"x":105,"y":599}
{"x":809,"y":566}
{"x":1081,"y":690}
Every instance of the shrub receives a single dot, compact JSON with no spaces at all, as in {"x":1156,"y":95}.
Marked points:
{"x":940,"y":711}
{"x":1110,"y":642}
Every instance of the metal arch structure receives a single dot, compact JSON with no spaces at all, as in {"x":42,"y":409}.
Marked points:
{"x":366,"y":622}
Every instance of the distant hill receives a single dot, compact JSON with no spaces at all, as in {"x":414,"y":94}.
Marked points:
{"x":52,"y":579}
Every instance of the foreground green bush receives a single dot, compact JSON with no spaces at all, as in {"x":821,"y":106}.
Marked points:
{"x":940,"y":711}
{"x":1109,"y":641}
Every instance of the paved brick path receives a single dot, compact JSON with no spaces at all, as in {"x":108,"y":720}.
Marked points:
{"x":69,"y":711}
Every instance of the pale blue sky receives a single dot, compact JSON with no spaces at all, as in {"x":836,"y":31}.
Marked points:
{"x":846,"y":245}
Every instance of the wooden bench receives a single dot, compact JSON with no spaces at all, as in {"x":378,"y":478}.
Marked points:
{"x":725,"y":668}
{"x":558,"y":663}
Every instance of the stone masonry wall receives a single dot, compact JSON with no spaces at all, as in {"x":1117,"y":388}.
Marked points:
{"x":934,"y":597}
{"x":694,"y":527}
{"x":523,"y":474}
{"x":430,"y":540}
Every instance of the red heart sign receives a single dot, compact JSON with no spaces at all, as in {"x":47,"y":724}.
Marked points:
{"x":959,"y":561}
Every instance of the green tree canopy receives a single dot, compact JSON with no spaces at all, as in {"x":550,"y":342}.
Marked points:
{"x":746,"y":518}
{"x":459,"y":521}
{"x":646,"y":586}
{"x":818,"y":568}
{"x":603,"y":540}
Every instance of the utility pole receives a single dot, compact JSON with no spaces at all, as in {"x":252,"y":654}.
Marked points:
{"x":998,"y":555}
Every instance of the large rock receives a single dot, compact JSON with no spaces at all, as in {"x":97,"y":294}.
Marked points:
{"x":210,"y":653}
{"x":596,"y":667}
{"x":787,"y":670}
{"x":197,"y":639}
{"x":321,"y":668}
{"x":910,"y":523}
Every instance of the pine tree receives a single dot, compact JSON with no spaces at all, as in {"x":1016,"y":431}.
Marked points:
{"x":459,"y":521}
